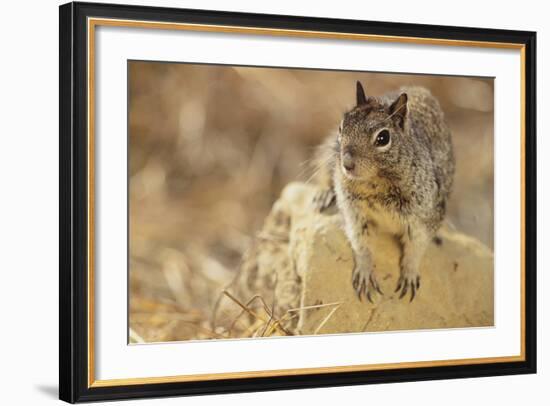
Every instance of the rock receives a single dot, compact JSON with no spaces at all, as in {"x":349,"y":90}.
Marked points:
{"x":302,"y":260}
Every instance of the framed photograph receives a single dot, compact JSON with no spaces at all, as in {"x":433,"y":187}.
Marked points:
{"x":258,"y":202}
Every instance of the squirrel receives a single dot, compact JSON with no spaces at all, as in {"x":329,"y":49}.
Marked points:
{"x":390,"y":168}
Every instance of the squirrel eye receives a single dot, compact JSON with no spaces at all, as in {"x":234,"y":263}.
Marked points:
{"x":382,"y":139}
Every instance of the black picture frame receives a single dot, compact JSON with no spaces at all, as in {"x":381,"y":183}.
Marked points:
{"x":73,"y":256}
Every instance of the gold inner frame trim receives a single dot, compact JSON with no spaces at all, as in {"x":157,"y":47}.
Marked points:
{"x":94,"y":22}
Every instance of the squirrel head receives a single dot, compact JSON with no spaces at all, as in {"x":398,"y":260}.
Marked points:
{"x":372,"y":135}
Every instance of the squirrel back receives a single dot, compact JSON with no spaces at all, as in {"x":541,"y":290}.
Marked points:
{"x":427,"y":120}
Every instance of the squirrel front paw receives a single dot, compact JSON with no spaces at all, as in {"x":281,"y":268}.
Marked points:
{"x":324,"y":200}
{"x":409,"y":280}
{"x":364,"y":280}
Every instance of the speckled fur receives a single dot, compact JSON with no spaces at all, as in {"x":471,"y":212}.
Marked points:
{"x":402,"y":189}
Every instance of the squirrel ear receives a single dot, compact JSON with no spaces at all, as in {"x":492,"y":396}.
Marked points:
{"x":360,"y":94}
{"x":398,"y":109}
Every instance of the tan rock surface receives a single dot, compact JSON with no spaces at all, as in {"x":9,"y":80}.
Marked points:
{"x":302,"y":259}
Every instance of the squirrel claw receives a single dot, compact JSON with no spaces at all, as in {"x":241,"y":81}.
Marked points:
{"x":365,"y":286}
{"x":362,"y":290}
{"x":399,"y":283}
{"x":413,"y":291}
{"x":375,"y":285}
{"x":360,"y":287}
{"x":324,"y":199}
{"x":404,"y":290}
{"x":403,"y":285}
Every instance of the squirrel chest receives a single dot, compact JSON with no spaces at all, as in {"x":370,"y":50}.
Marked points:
{"x":364,"y":211}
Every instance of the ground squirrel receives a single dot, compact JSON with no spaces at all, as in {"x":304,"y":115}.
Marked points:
{"x":390,"y":169}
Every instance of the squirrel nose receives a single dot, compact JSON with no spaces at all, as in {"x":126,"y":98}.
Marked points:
{"x":348,"y":162}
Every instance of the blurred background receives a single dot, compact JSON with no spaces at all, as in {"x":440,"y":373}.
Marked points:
{"x":211,"y":147}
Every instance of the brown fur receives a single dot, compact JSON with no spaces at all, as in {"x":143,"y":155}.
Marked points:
{"x":403,"y":186}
